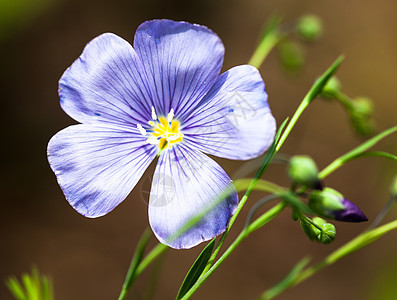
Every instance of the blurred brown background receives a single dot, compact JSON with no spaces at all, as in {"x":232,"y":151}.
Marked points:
{"x":88,"y":258}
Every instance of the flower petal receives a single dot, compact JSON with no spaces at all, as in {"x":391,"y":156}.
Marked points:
{"x":182,"y":61}
{"x":234,"y":119}
{"x":96,"y":166}
{"x":187,"y":183}
{"x":106,"y":83}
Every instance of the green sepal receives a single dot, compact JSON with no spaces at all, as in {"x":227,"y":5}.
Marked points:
{"x":196,"y":270}
{"x":326,"y":201}
{"x":318,"y":230}
{"x":327,"y":233}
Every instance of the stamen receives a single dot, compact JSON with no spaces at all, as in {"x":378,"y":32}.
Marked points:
{"x":153,"y":141}
{"x":170,"y":115}
{"x":164,"y":132}
{"x":154,"y":116}
{"x":141,"y":129}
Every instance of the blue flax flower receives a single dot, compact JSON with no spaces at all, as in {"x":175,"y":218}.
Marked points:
{"x":162,"y":97}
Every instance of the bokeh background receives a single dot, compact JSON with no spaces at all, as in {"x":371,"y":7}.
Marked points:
{"x":88,"y":258}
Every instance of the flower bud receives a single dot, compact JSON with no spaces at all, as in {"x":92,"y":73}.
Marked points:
{"x":291,"y":55}
{"x":331,"y":88}
{"x":318,"y":230}
{"x":331,"y":204}
{"x":361,"y":116}
{"x":363,"y":106}
{"x":328,"y":232}
{"x":310,"y":27}
{"x":303,"y":170}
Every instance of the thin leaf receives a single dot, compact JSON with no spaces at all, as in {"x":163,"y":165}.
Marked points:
{"x":137,"y":258}
{"x":287,"y":281}
{"x":196,"y":270}
{"x":356,"y":152}
{"x":15,"y":288}
{"x":378,"y":154}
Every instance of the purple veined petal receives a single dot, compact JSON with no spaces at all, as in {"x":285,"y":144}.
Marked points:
{"x":351,"y":213}
{"x":181,"y":60}
{"x":106,"y":83}
{"x":187,"y":183}
{"x":97,"y":167}
{"x":233,"y":120}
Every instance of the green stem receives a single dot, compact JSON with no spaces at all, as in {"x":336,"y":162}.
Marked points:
{"x":364,"y":239}
{"x":354,"y":245}
{"x":310,"y":96}
{"x":264,"y":48}
{"x":355,"y":153}
{"x":156,"y":251}
{"x":270,"y":38}
{"x":258,"y":223}
{"x":345,"y":100}
{"x":136,"y":259}
{"x":137,"y":265}
{"x":313,"y":92}
{"x":254,"y":184}
{"x":383,"y":212}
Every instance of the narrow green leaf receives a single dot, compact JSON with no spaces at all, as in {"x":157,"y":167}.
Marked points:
{"x":15,"y":288}
{"x":310,"y":96}
{"x":378,"y":154}
{"x":31,"y":289}
{"x":196,"y":270}
{"x":287,"y":281}
{"x":137,"y":258}
{"x":48,"y":293}
{"x":357,"y":152}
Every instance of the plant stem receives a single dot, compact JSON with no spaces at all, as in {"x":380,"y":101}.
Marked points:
{"x":264,"y":48}
{"x":354,"y":245}
{"x":269,"y":40}
{"x":364,"y":239}
{"x":313,"y":92}
{"x":310,"y":96}
{"x":355,"y":153}
{"x":258,"y":223}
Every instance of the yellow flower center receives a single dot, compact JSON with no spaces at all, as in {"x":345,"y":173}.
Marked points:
{"x":164,"y":132}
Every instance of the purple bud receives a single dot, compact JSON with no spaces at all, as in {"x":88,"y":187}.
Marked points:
{"x":351,"y":213}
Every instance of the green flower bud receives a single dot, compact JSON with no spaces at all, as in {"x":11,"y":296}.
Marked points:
{"x":291,"y":55}
{"x":331,"y":88}
{"x":311,"y":231}
{"x":363,"y":106}
{"x":322,"y":202}
{"x":310,"y":27}
{"x":320,"y":231}
{"x":303,"y":170}
{"x":327,"y":233}
{"x":361,"y":116}
{"x":331,"y":204}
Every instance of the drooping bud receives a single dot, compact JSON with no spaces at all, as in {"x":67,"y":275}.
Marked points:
{"x":332,"y":88}
{"x":331,"y":204}
{"x":310,"y":27}
{"x":328,"y":232}
{"x":303,"y":170}
{"x":291,"y":55}
{"x":318,"y":230}
{"x":361,"y":115}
